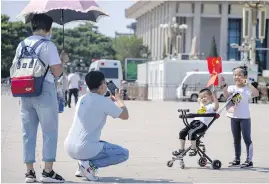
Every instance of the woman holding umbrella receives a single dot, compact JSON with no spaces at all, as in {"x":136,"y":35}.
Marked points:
{"x":41,"y":109}
{"x":41,"y":14}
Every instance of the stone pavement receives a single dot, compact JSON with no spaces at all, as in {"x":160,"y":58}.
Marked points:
{"x":151,"y":134}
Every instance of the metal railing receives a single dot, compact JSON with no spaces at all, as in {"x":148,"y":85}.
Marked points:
{"x":151,"y":91}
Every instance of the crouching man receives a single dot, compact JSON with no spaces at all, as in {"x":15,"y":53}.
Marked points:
{"x":83,"y":141}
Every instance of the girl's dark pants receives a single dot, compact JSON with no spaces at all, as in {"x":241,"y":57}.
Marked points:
{"x":244,"y":126}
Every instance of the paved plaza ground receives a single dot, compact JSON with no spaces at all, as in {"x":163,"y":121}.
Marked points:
{"x":151,"y":134}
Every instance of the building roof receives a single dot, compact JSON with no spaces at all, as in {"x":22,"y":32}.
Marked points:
{"x":141,"y":7}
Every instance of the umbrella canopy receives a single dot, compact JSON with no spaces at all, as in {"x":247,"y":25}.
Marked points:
{"x":63,"y":11}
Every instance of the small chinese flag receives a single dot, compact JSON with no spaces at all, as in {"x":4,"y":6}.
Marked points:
{"x":214,"y":65}
{"x":214,"y":79}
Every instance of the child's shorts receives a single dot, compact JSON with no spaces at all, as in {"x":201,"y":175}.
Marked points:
{"x":196,"y":127}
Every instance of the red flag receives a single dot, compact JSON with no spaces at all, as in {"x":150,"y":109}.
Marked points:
{"x":214,"y":65}
{"x":214,"y":79}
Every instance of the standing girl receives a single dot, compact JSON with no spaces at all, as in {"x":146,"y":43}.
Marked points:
{"x":240,"y":114}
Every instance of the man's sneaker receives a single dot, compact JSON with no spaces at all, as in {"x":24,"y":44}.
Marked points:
{"x":88,"y":170}
{"x":51,"y":177}
{"x":30,"y":177}
{"x":247,"y":164}
{"x":176,"y":153}
{"x":234,"y":163}
{"x":79,"y":172}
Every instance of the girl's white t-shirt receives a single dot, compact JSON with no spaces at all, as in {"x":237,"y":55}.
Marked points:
{"x":241,"y":109}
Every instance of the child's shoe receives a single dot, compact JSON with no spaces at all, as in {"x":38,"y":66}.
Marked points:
{"x":176,"y":153}
{"x":193,"y":153}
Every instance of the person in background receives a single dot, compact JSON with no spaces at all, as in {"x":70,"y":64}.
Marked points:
{"x":73,"y":87}
{"x":255,"y":84}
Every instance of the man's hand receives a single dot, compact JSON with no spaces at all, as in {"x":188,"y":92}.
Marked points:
{"x":118,"y":96}
{"x":64,"y":57}
{"x":112,"y":97}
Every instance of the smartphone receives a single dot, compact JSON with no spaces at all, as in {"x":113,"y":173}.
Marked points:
{"x":112,"y":87}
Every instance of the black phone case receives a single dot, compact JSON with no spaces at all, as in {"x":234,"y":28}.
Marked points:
{"x":112,"y":87}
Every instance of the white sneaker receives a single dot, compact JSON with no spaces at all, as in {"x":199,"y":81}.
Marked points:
{"x":79,"y":172}
{"x":88,"y":171}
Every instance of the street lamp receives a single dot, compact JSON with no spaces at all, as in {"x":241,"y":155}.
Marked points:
{"x":252,"y":11}
{"x":175,"y":32}
{"x":245,"y":48}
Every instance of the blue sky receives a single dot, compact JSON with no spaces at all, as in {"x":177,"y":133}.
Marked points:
{"x":107,"y":25}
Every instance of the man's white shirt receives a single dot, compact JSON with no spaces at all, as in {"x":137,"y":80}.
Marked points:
{"x":73,"y":79}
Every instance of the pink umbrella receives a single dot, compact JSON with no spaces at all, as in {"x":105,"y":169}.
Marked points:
{"x":63,"y":11}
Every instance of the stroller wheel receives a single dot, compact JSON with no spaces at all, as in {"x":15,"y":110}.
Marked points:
{"x":202,"y":161}
{"x":216,"y":164}
{"x":170,"y":163}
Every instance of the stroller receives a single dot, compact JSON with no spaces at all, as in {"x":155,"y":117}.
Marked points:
{"x":204,"y":158}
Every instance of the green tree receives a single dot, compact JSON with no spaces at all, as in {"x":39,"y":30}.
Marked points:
{"x":82,"y":42}
{"x":213,"y":49}
{"x":130,"y":47}
{"x":12,"y":34}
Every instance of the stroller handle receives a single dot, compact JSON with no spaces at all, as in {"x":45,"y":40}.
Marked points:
{"x":213,"y":115}
{"x":183,"y":110}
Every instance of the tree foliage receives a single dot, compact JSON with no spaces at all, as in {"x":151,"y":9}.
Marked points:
{"x":130,"y":47}
{"x":12,"y":34}
{"x":83,"y":42}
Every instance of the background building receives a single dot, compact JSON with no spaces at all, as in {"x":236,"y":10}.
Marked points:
{"x":221,"y":19}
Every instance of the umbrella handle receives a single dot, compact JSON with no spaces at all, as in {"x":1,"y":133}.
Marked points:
{"x":62,"y":17}
{"x":63,"y":36}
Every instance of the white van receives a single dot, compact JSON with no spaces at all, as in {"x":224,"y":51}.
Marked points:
{"x":193,"y":82}
{"x":112,"y":70}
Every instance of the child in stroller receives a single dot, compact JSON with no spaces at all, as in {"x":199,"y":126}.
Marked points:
{"x":208,"y":104}
{"x":206,"y":99}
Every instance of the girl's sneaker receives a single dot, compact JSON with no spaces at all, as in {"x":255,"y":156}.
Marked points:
{"x":88,"y":170}
{"x":30,"y":177}
{"x":234,"y":163}
{"x":247,"y":164}
{"x":51,"y":177}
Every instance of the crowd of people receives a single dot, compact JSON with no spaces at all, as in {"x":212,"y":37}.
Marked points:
{"x":83,"y":142}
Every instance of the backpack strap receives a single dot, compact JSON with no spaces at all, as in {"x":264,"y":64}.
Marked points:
{"x":34,"y":47}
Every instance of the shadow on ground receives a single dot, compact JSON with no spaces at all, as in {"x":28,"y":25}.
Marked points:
{"x":131,"y":180}
{"x":257,"y":169}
